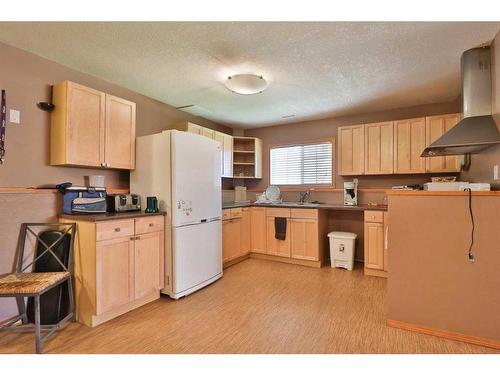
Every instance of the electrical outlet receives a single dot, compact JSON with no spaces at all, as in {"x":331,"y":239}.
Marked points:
{"x":14,"y":116}
{"x":495,"y":172}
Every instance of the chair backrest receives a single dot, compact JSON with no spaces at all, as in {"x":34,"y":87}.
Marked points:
{"x":50,"y":246}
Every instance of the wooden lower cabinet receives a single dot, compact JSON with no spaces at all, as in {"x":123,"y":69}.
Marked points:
{"x":276,"y":247}
{"x":119,"y":266}
{"x":254,"y":230}
{"x":258,"y":230}
{"x":114,"y":273}
{"x":245,"y":231}
{"x":231,"y":239}
{"x":375,"y":243}
{"x":305,"y":241}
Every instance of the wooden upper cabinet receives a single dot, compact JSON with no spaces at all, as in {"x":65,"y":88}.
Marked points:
{"x":435,"y":127}
{"x":379,"y":141}
{"x":351,"y":140}
{"x":409,"y":142}
{"x":119,"y":151}
{"x":90,"y":128}
{"x":209,"y":133}
{"x":77,"y":126}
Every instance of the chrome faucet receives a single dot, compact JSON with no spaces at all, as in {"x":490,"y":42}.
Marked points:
{"x":304,"y":195}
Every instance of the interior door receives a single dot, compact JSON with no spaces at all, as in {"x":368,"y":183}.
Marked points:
{"x":197,"y":254}
{"x":120,"y":133}
{"x":85,"y":137}
{"x":196,"y":179}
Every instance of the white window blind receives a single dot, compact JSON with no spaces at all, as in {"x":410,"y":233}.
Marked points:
{"x":309,"y":164}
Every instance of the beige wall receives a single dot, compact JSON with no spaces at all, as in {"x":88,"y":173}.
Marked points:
{"x":27,"y":79}
{"x":431,"y":281}
{"x":481,"y":169}
{"x":327,"y":128}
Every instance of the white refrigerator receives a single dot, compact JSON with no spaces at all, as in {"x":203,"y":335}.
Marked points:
{"x":183,"y":170}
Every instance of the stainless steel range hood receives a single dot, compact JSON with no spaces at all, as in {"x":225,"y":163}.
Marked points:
{"x":477,"y":130}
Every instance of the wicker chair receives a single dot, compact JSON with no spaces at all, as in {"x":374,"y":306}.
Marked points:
{"x":22,"y":285}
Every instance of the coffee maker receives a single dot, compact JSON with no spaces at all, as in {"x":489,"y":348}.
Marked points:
{"x":351,"y":193}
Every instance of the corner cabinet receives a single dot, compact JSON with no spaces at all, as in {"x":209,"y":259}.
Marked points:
{"x":119,"y":266}
{"x":91,"y":128}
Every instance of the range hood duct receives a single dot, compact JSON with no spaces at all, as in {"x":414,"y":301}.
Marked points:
{"x":477,"y":131}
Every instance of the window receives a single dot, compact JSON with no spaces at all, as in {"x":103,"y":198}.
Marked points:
{"x":306,"y":164}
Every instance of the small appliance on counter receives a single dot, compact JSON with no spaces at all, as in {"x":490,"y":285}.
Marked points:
{"x":152,"y":205}
{"x":240,"y":194}
{"x":123,"y":202}
{"x":351,"y":193}
{"x":83,"y":199}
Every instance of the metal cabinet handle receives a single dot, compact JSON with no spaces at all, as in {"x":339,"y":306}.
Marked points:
{"x":151,"y":224}
{"x":117,"y":229}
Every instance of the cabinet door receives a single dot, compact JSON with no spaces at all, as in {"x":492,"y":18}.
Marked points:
{"x":409,"y":142}
{"x":435,"y":127}
{"x":231,"y":239}
{"x":192,"y":128}
{"x":386,"y":241}
{"x":245,"y":231}
{"x":277,"y":247}
{"x":209,"y":133}
{"x":304,"y":233}
{"x":258,"y":230}
{"x":351,"y":141}
{"x":379,"y":145}
{"x":228,"y":156}
{"x":219,"y":138}
{"x":120,"y":133}
{"x":114,"y":273}
{"x":147,"y":248}
{"x":374,"y":246}
{"x":85,"y":126}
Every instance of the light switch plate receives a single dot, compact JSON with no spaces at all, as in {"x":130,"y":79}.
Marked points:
{"x":14,"y":116}
{"x":495,"y":172}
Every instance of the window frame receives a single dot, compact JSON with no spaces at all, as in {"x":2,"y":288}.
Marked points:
{"x":292,"y":187}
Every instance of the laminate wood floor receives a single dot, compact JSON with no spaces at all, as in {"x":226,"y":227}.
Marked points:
{"x":257,"y":307}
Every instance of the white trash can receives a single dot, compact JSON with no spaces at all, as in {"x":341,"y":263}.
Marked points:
{"x":342,"y":249}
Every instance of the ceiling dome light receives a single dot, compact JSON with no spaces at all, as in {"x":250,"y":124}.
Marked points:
{"x":246,"y":84}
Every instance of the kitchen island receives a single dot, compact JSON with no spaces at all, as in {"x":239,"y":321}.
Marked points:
{"x":433,"y":287}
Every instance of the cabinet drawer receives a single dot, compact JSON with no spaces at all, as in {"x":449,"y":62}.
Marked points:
{"x":303,"y":213}
{"x":278,"y":212}
{"x":226,"y":214}
{"x":114,"y":229}
{"x":374,"y":216}
{"x":149,"y":224}
{"x":236,"y":212}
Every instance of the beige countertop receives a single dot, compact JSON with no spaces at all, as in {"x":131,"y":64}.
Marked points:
{"x":109,"y":216}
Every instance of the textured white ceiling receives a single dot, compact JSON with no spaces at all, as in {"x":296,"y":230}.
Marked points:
{"x":315,"y":69}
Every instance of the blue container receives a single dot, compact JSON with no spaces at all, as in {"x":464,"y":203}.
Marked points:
{"x":84,"y":200}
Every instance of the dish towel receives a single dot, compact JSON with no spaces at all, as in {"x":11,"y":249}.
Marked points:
{"x":280,"y":228}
